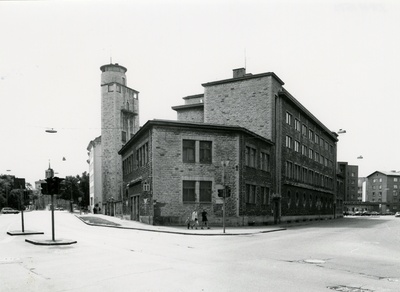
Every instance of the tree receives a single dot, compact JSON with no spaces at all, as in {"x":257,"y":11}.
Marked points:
{"x":6,"y":185}
{"x":71,"y":190}
{"x":84,"y":187}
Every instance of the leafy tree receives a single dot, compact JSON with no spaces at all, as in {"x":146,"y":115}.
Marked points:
{"x":6,"y":185}
{"x":84,"y":187}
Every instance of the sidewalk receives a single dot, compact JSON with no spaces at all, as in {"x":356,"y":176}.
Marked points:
{"x":115,"y":222}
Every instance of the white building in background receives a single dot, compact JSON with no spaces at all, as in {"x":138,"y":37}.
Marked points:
{"x":95,"y":173}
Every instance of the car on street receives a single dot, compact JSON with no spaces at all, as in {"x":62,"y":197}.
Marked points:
{"x":8,"y":210}
{"x":397,"y":214}
{"x":375,"y":213}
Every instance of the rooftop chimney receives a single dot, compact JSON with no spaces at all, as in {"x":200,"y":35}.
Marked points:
{"x":240,"y":72}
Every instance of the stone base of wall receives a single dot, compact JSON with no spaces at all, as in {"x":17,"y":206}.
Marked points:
{"x":305,"y":218}
{"x":146,"y":219}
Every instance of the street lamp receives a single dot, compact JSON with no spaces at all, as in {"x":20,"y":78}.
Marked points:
{"x":51,"y":131}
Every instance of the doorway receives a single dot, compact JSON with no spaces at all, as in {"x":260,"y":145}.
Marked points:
{"x":135,"y":208}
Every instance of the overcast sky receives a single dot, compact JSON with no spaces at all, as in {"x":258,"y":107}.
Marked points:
{"x":340,"y":59}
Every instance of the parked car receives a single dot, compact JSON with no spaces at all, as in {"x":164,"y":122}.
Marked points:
{"x":8,"y":210}
{"x":374,"y":213}
{"x":397,"y":214}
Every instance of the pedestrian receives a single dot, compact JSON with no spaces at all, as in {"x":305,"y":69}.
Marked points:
{"x":195,"y":221}
{"x":204,"y":219}
{"x":187,"y":222}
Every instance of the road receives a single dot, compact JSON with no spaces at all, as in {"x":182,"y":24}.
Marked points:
{"x":335,"y":255}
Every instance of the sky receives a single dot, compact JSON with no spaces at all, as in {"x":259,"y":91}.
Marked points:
{"x":340,"y":59}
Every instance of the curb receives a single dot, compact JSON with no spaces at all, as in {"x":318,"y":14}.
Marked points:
{"x":179,"y":232}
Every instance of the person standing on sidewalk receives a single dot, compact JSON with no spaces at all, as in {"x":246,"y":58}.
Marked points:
{"x":195,"y":221}
{"x":204,"y":219}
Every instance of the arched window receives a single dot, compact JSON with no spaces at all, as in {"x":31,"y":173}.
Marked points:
{"x":297,"y":199}
{"x":289,"y":199}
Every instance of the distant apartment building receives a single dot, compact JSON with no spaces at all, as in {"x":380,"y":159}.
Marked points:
{"x":383,"y":187}
{"x":350,"y":174}
{"x":282,"y":159}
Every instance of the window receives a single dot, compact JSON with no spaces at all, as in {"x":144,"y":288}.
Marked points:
{"x":297,"y":125}
{"x":296,"y":146}
{"x":395,"y":186}
{"x":289,"y":199}
{"x":310,"y":154}
{"x":395,"y":179}
{"x":297,"y":199}
{"x":304,"y":130}
{"x":250,"y":156}
{"x":250,"y":194}
{"x":288,"y":142}
{"x":205,"y":151}
{"x":288,"y":118}
{"x":305,"y":172}
{"x":189,"y":194}
{"x":311,"y":135}
{"x":264,"y":195}
{"x":304,"y":150}
{"x":264,"y":161}
{"x":205,"y":191}
{"x":289,"y":169}
{"x":322,"y":141}
{"x":189,"y":151}
{"x":142,"y":157}
{"x":316,"y":139}
{"x":110,"y":87}
{"x":118,"y":88}
{"x":316,"y":156}
{"x":297,"y":172}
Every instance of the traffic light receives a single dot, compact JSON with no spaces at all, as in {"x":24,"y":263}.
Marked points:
{"x":44,"y":188}
{"x":57,"y":185}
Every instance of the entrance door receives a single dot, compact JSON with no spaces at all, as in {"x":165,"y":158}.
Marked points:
{"x":135,"y":208}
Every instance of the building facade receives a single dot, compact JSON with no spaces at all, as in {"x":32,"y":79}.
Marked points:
{"x":383,"y":187}
{"x":172,"y":168}
{"x":302,"y":152}
{"x":95,"y":173}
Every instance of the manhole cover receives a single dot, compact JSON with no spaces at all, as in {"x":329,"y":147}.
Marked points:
{"x":314,"y":261}
{"x":349,"y":289}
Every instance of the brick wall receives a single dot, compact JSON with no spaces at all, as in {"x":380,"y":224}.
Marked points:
{"x":248,"y":103}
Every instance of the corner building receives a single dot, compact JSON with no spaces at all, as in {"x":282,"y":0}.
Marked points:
{"x":282,"y":159}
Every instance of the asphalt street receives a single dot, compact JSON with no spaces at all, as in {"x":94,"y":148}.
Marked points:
{"x":351,"y":254}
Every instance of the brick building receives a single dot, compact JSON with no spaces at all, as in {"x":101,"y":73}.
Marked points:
{"x":176,"y":167}
{"x":263,"y":121}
